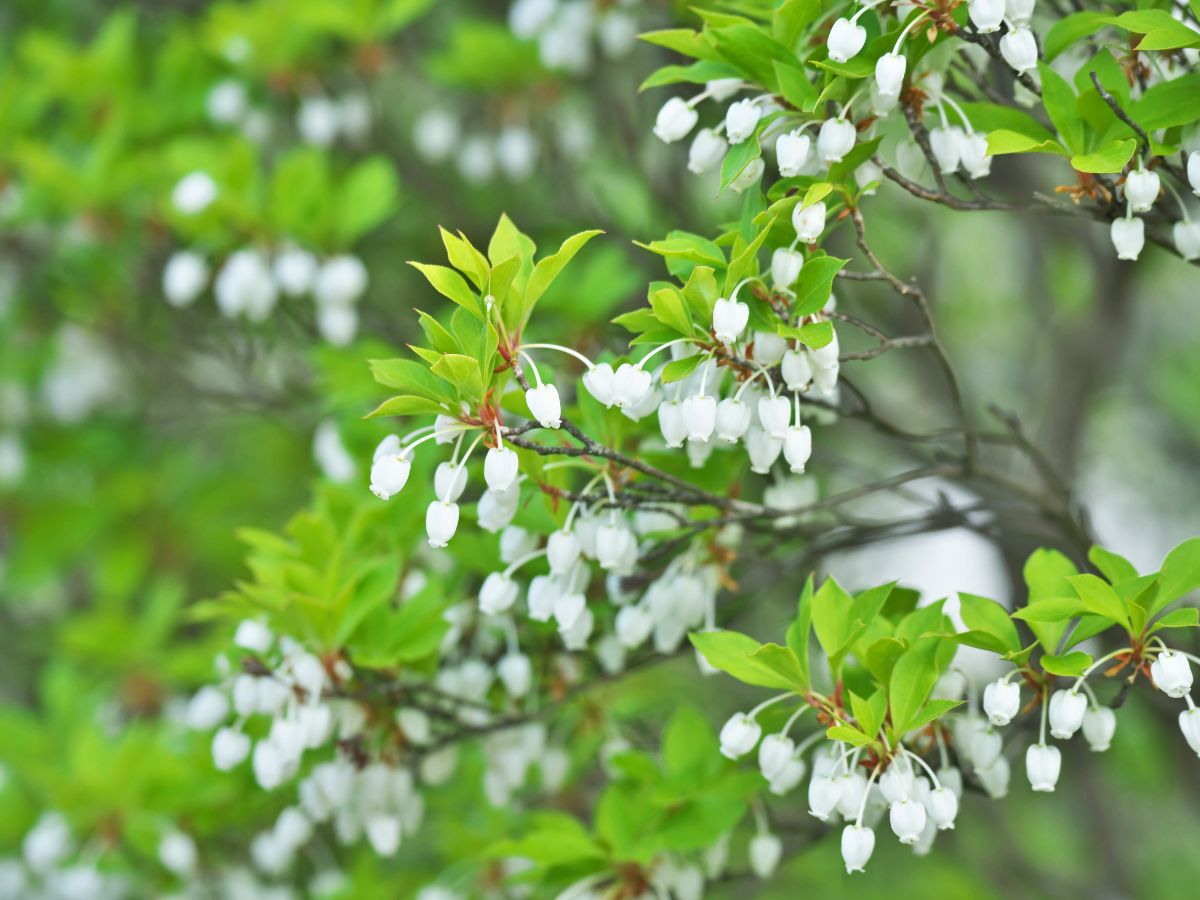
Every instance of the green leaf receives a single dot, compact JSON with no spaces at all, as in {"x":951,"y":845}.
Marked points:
{"x":783,"y":662}
{"x":1002,"y":141}
{"x":366,"y":198}
{"x":463,"y":372}
{"x":686,"y":246}
{"x":451,"y":285}
{"x":869,"y":714}
{"x":407,"y":405}
{"x":679,"y":369}
{"x":1168,"y":104}
{"x":1071,"y":665}
{"x":795,"y":86}
{"x":670,"y":309}
{"x":1046,"y":573}
{"x":733,"y":653}
{"x":814,"y":334}
{"x":880,"y":658}
{"x":549,"y":268}
{"x":815,"y":284}
{"x":1069,"y":29}
{"x":1180,"y":574}
{"x":1188,"y":617}
{"x":1060,"y":102}
{"x":412,"y":377}
{"x":932,"y":711}
{"x":700,"y":292}
{"x":1162,"y":30}
{"x":737,"y":158}
{"x":681,"y":40}
{"x":800,"y":629}
{"x":831,"y":616}
{"x":1052,"y":609}
{"x":688,"y":742}
{"x":1108,"y":159}
{"x":745,"y":264}
{"x":1100,"y":598}
{"x":850,"y":735}
{"x":464,"y":257}
{"x":988,"y":616}
{"x":1112,"y":566}
{"x":912,"y":679}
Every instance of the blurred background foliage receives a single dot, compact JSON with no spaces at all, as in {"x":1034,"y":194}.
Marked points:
{"x":137,"y":438}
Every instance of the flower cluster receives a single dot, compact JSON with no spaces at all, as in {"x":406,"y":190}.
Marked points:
{"x":565,"y":31}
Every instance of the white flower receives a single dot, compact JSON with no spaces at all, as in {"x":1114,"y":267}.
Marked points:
{"x":985,"y":747}
{"x":1099,"y":725}
{"x":1128,"y":237}
{"x":206,"y":709}
{"x":542,"y":591}
{"x":729,"y":318}
{"x":942,"y":805}
{"x":1189,"y":724}
{"x":748,"y":176}
{"x":253,"y":635}
{"x":497,"y":594}
{"x":562,"y":552}
{"x":516,"y":152}
{"x":809,"y":221}
{"x":897,"y":782}
{"x":975,"y":157}
{"x":774,"y":755}
{"x":907,"y":818}
{"x":792,"y":151}
{"x":634,"y":624}
{"x":986,"y":15}
{"x":630,"y":385}
{"x":797,"y":369}
{"x":544,"y":404}
{"x":599,"y":381}
{"x":528,"y":17}
{"x":47,"y":843}
{"x":741,"y":119}
{"x":823,"y":796}
{"x":721,"y":89}
{"x":733,"y":418}
{"x":184,"y":277}
{"x":318,"y":121}
{"x":194,"y":193}
{"x":763,"y":450}
{"x":496,"y":509}
{"x":765,"y":852}
{"x":177,"y":853}
{"x":789,"y":776}
{"x":785,"y":267}
{"x":768,"y":348}
{"x":700,"y":416}
{"x":390,"y":469}
{"x":500,"y":468}
{"x":739,"y":735}
{"x":774,"y":414}
{"x":1193,"y":171}
{"x":1067,"y":709}
{"x":435,"y":133}
{"x":675,"y":119}
{"x":889,"y":74}
{"x":294,"y":270}
{"x":858,"y":843}
{"x":707,"y":150}
{"x":441,"y":521}
{"x":516,"y":674}
{"x":946,"y":144}
{"x":835,"y":140}
{"x":1171,"y":674}
{"x":852,"y":787}
{"x":1042,"y":765}
{"x":226,"y":102}
{"x":244,"y":286}
{"x":671,"y":424}
{"x":995,"y":777}
{"x":383,"y":832}
{"x":797,"y":447}
{"x":613,"y":543}
{"x":1019,"y":49}
{"x":846,"y":39}
{"x":1019,"y":12}
{"x":1001,"y":701}
{"x":449,"y":481}
{"x":1187,"y":239}
{"x":1141,"y":189}
{"x":340,"y":281}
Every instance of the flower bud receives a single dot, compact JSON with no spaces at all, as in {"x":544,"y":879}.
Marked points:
{"x":599,"y":383}
{"x":544,"y":404}
{"x":1042,"y":765}
{"x":707,"y":150}
{"x":975,"y":157}
{"x":441,"y":521}
{"x":858,"y":843}
{"x":797,"y":447}
{"x":729,"y":319}
{"x":733,"y":418}
{"x":835,"y":140}
{"x":791,"y":152}
{"x":700,"y":416}
{"x":1187,"y":239}
{"x":630,"y":385}
{"x":229,"y":747}
{"x":809,"y":221}
{"x":1128,"y":237}
{"x":383,"y":833}
{"x":763,"y":450}
{"x":765,"y":851}
{"x":741,"y":119}
{"x":889,"y":74}
{"x":1067,"y":709}
{"x":1099,"y":725}
{"x":449,"y":481}
{"x":1019,"y":49}
{"x":1141,"y":189}
{"x":774,"y":414}
{"x":823,"y":796}
{"x":739,"y":735}
{"x":946,"y":144}
{"x":184,"y":277}
{"x":797,"y":369}
{"x":907,"y":818}
{"x":748,"y":176}
{"x":675,"y":119}
{"x":785,"y":267}
{"x":986,"y":15}
{"x":1172,"y":674}
{"x":845,"y":40}
{"x":516,"y":674}
{"x":498,"y":594}
{"x":1189,"y":724}
{"x":1001,"y":701}
{"x":942,"y":806}
{"x":500,"y":468}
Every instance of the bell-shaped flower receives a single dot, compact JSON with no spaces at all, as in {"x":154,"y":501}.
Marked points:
{"x":765,"y":852}
{"x":942,"y":805}
{"x":762,"y":449}
{"x":733,"y":418}
{"x":441,"y":521}
{"x":774,"y":414}
{"x":774,"y":754}
{"x":516,"y":674}
{"x":739,"y":735}
{"x":785,"y":267}
{"x":1128,"y":237}
{"x":976,"y":159}
{"x":671,"y":424}
{"x":599,"y":383}
{"x":858,"y":843}
{"x":630,"y":385}
{"x":1019,"y":49}
{"x":1189,"y":724}
{"x":497,"y":594}
{"x":824,"y":793}
{"x":1001,"y":701}
{"x":1187,"y":239}
{"x":707,"y":150}
{"x":1171,"y":674}
{"x":1067,"y":709}
{"x":500,"y":468}
{"x":700,"y":416}
{"x":729,"y":318}
{"x":835,"y":140}
{"x":986,"y":15}
{"x":845,"y":40}
{"x":741,"y":119}
{"x":889,"y":74}
{"x":675,"y":119}
{"x":1099,"y":726}
{"x":1141,"y":189}
{"x":792,"y":151}
{"x":907,"y":818}
{"x":797,"y":447}
{"x":809,"y":221}
{"x":449,"y":481}
{"x":1042,"y":765}
{"x":946,"y":144}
